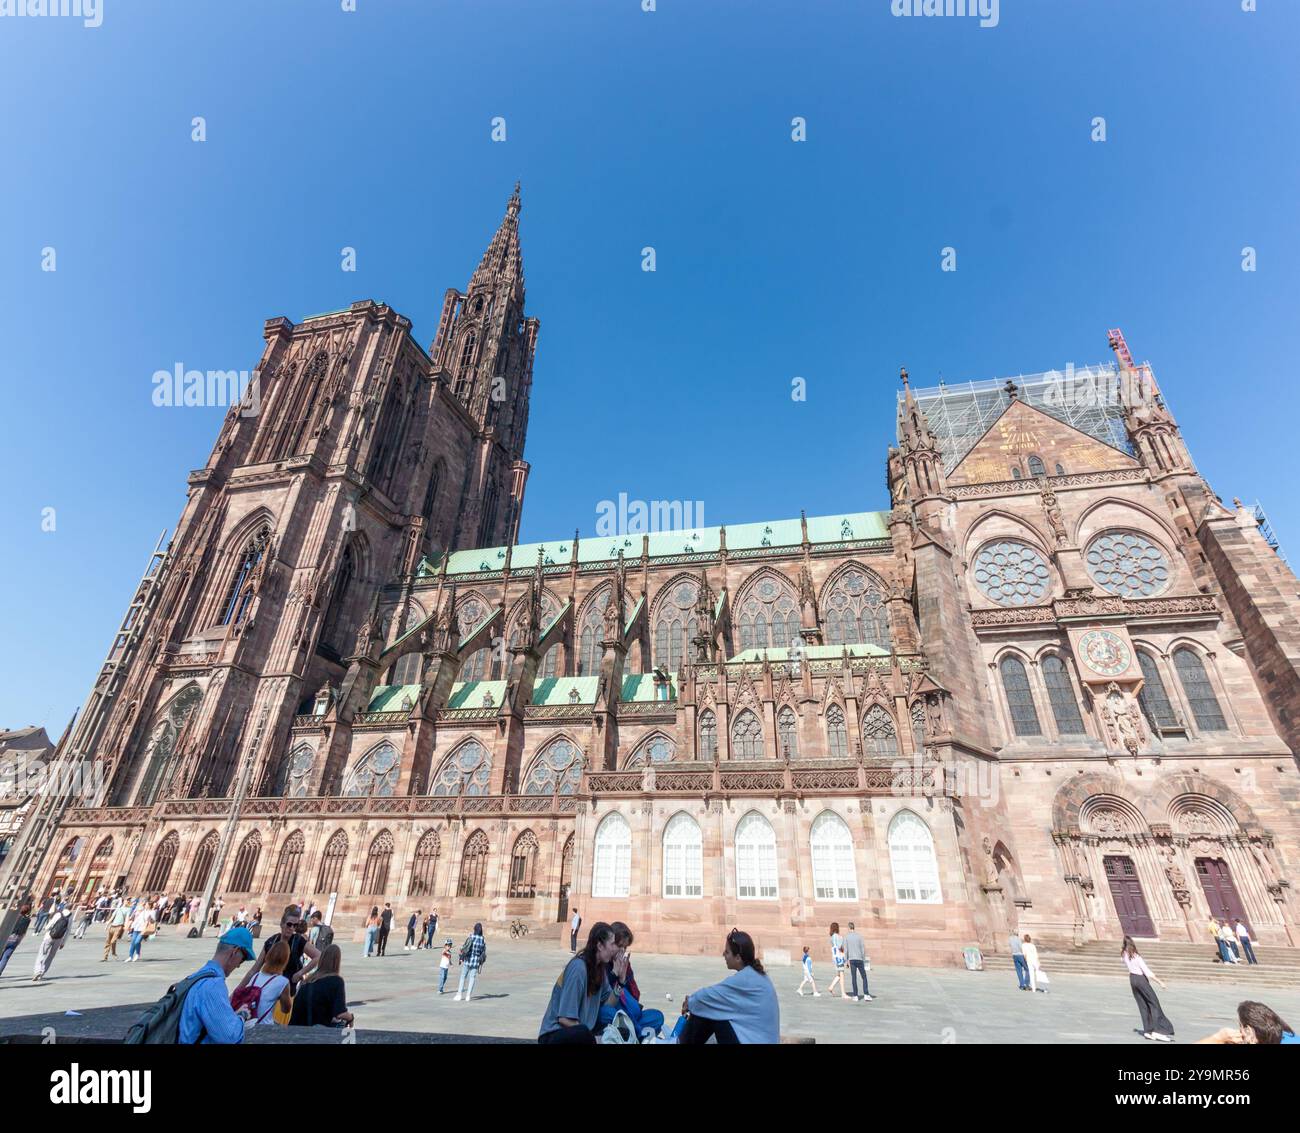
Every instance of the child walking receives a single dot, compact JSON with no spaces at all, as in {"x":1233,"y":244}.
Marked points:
{"x":807,"y":974}
{"x":444,"y":966}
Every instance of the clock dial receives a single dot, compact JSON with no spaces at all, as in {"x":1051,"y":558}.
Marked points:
{"x":1104,"y":652}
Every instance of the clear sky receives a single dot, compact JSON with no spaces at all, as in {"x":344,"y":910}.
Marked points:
{"x":672,"y":129}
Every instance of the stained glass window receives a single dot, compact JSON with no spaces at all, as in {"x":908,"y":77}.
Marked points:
{"x":1020,"y":699}
{"x":1011,"y":573}
{"x":676,"y":625}
{"x":1060,"y":694}
{"x":162,"y":744}
{"x":879,"y":736}
{"x":331,"y":866}
{"x":708,"y":735}
{"x":787,"y":733}
{"x":465,"y":771}
{"x":1127,"y":564}
{"x":557,"y":769}
{"x":375,"y":773}
{"x":657,"y":749}
{"x":1199,"y":691}
{"x":854,"y":611}
{"x":239,"y":593}
{"x":837,"y":736}
{"x":1154,"y":699}
{"x":425,"y":866}
{"x":747,"y":737}
{"x":591,"y":633}
{"x":473,"y":866}
{"x":768,"y":616}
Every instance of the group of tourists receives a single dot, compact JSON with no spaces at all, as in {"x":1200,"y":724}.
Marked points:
{"x":596,"y":998}
{"x":291,"y":983}
{"x":1233,"y":941}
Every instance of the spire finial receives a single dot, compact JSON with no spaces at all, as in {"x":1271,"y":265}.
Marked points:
{"x":902,"y":373}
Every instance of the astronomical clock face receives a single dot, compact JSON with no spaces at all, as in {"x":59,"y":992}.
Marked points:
{"x":1104,"y":652}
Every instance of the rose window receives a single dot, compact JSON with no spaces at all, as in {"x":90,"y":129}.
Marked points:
{"x":1012,"y":574}
{"x":1127,"y":564}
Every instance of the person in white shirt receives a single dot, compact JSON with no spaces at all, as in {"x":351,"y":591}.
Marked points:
{"x":272,"y":984}
{"x":1030,"y":950}
{"x":1243,"y":936}
{"x":141,"y":926}
{"x":1229,"y":939}
{"x":743,"y":1008}
{"x":1155,"y":1024}
{"x":574,"y":925}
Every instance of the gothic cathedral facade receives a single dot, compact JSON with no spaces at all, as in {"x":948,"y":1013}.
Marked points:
{"x":1055,"y":686}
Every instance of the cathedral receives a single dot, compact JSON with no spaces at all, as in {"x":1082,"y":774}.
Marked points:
{"x":1054,"y":686}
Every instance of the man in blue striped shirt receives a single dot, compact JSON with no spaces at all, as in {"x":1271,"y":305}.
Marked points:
{"x":206,"y":1015}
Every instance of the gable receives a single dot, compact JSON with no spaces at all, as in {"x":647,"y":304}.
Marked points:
{"x":1023,"y":431}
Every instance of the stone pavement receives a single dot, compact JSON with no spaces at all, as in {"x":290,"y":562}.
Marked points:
{"x":398,"y":992}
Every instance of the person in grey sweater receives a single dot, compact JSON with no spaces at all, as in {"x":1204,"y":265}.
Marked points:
{"x":855,"y":950}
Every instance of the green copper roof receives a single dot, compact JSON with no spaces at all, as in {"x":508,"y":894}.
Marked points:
{"x":700,"y":541}
{"x":469,"y":694}
{"x":388,"y":698}
{"x":641,"y":686}
{"x":555,"y":690}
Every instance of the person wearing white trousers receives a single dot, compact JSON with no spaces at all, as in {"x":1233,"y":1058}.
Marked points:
{"x":1031,"y":958}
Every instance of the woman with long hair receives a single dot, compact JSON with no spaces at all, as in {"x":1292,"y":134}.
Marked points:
{"x":372,"y":929}
{"x":473,"y":955}
{"x":272,"y":984}
{"x":743,"y":1008}
{"x":837,"y":956}
{"x":1155,"y":1024}
{"x":322,"y":999}
{"x":1257,"y":1025}
{"x":589,"y":981}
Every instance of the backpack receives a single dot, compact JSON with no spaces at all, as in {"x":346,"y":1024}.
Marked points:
{"x":161,"y":1024}
{"x":58,"y":930}
{"x":246,"y":996}
{"x":325,"y":937}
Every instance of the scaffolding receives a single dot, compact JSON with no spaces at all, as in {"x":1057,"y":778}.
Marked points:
{"x":1266,"y":530}
{"x":1092,"y":399}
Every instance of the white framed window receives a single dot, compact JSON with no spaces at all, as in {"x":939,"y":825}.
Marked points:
{"x":912,"y":861}
{"x":612,"y":873}
{"x":683,"y":857}
{"x":755,"y":858}
{"x":834,"y":875}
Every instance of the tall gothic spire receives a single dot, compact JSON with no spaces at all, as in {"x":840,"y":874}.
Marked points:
{"x":503,"y":260}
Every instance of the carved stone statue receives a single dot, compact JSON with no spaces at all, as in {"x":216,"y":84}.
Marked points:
{"x":1054,"y":518}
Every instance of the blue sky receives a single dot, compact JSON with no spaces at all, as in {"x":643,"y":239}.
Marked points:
{"x":371,"y":129}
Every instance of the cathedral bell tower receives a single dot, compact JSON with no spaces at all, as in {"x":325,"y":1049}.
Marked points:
{"x":484,"y":351}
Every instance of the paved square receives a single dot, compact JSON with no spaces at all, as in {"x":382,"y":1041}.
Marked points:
{"x":915,"y":1005}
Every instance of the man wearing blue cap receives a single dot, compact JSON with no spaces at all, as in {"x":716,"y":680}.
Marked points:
{"x":206,"y":1015}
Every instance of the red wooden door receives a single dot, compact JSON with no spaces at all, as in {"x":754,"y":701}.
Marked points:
{"x":1221,"y":892}
{"x":1126,"y":892}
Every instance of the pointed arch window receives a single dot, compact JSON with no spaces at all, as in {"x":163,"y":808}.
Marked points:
{"x":612,"y":869}
{"x":466,"y":364}
{"x":425,"y":866}
{"x":918,"y":725}
{"x":834,"y":876}
{"x":431,"y":498}
{"x":1199,"y":691}
{"x":240,"y":592}
{"x":334,"y":630}
{"x":756,"y":877}
{"x":557,"y":769}
{"x":1020,"y":698}
{"x":475,"y":668}
{"x":768,"y":616}
{"x":708,"y":735}
{"x":465,"y":771}
{"x":163,"y":858}
{"x":1060,"y":694}
{"x":523,"y":866}
{"x":203,"y":859}
{"x":676,"y":625}
{"x":250,"y":850}
{"x":837,"y":735}
{"x":103,"y":852}
{"x":298,"y":771}
{"x":879,"y":736}
{"x":1037,"y":467}
{"x":1154,"y":699}
{"x":854,"y":611}
{"x":747,"y":737}
{"x":787,"y":733}
{"x":331,"y":863}
{"x":488,"y":526}
{"x":657,"y":748}
{"x":375,"y":879}
{"x":407,"y":669}
{"x":589,"y":637}
{"x":286,"y":869}
{"x":162,"y":744}
{"x":683,"y":857}
{"x":375,"y":773}
{"x":912,"y":861}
